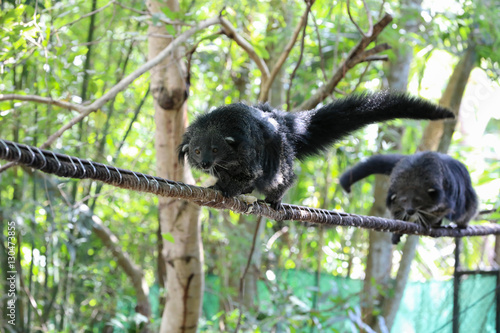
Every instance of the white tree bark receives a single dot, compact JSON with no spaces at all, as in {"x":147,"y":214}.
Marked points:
{"x":184,"y":257}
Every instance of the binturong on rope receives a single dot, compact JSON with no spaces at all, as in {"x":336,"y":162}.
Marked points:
{"x":73,"y":167}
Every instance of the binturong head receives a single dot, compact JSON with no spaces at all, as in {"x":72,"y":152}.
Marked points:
{"x":207,"y":150}
{"x":416,"y":192}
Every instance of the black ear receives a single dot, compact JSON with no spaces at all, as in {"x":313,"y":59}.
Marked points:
{"x":435,"y":194}
{"x":182,"y":150}
{"x":391,"y":196}
{"x":230,"y":140}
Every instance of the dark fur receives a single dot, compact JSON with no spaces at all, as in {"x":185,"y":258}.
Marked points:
{"x":425,"y":187}
{"x":249,"y":148}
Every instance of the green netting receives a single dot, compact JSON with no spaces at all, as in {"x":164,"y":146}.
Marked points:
{"x":477,"y":303}
{"x":425,"y":307}
{"x":428,"y":306}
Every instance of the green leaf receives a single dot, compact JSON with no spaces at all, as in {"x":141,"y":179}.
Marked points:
{"x":261,"y":51}
{"x":168,"y":237}
{"x":170,"y":29}
{"x":170,"y":14}
{"x":155,"y":19}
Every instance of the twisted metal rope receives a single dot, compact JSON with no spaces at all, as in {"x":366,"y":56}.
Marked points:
{"x":73,"y":167}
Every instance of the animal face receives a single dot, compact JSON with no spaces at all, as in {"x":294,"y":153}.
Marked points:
{"x":420,"y":204}
{"x":208,"y":151}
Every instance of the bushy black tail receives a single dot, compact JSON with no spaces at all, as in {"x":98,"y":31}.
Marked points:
{"x":381,"y":164}
{"x":334,"y":121}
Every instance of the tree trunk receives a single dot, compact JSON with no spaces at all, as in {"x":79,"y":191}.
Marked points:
{"x":379,"y":261}
{"x":274,"y":48}
{"x":133,"y":271}
{"x":183,"y":257}
{"x":452,"y":98}
{"x":391,"y":305}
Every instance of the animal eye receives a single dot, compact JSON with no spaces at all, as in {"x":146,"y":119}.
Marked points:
{"x":197,"y":151}
{"x":431,"y":190}
{"x":215,"y":150}
{"x":393,"y":197}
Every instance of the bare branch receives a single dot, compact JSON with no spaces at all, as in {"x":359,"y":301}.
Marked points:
{"x":376,"y":58}
{"x":134,"y":272}
{"x":124,"y":83}
{"x":266,"y":84}
{"x":34,"y":305}
{"x":369,"y":17}
{"x":355,"y":56}
{"x":84,"y":16}
{"x":161,"y":19}
{"x":361,"y":78}
{"x":42,"y":100}
{"x":292,"y":76}
{"x":152,"y":63}
{"x":242,"y":278}
{"x":231,"y":32}
{"x":363,"y":55}
{"x":320,"y":48}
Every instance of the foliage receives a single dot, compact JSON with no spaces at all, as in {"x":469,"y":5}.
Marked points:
{"x":74,"y":279}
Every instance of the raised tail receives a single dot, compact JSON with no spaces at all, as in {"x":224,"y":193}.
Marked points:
{"x":336,"y":120}
{"x":381,"y":164}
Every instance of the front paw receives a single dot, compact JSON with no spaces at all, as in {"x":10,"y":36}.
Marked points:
{"x":276,"y":205}
{"x":226,"y":192}
{"x":396,"y":238}
{"x":248,"y":199}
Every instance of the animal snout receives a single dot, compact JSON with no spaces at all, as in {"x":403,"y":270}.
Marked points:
{"x":410,"y":211}
{"x":205,"y":164}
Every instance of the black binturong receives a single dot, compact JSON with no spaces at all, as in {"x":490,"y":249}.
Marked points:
{"x":254,"y":147}
{"x":424,"y":188}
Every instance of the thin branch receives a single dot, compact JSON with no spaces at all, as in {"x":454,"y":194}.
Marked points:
{"x":43,"y":100}
{"x":266,"y":84}
{"x":371,"y":52}
{"x":381,"y":9}
{"x":96,"y":194}
{"x":153,"y":62}
{"x":376,"y":58}
{"x":140,"y":12}
{"x":292,"y":76}
{"x":275,"y":236}
{"x":84,"y":16}
{"x":35,"y":307}
{"x":355,"y":56}
{"x":320,"y":48}
{"x":361,"y":77}
{"x":133,"y":271}
{"x":100,"y":41}
{"x":369,"y":17}
{"x":124,"y":83}
{"x":189,"y":54}
{"x":242,"y":278}
{"x":487,"y":211}
{"x":119,"y":3}
{"x":161,"y":19}
{"x":231,"y":32}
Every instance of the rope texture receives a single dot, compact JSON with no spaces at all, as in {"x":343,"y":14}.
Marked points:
{"x":73,"y":167}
